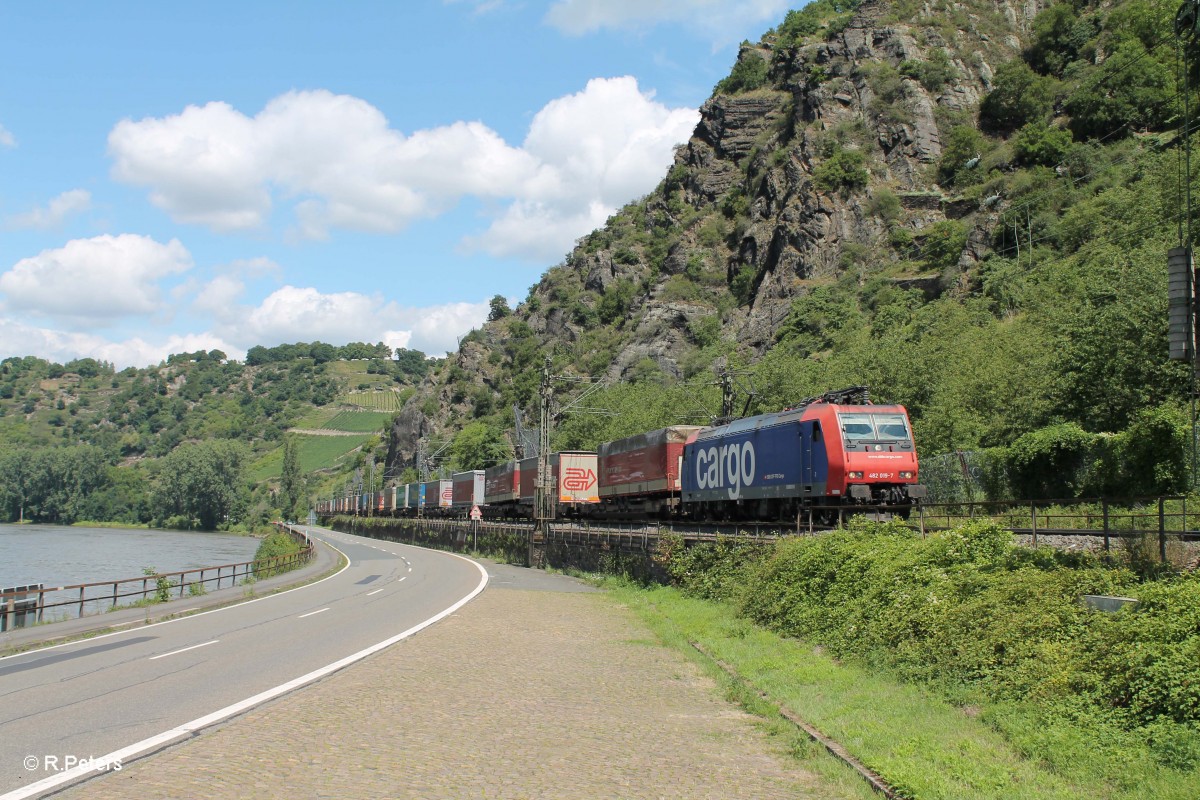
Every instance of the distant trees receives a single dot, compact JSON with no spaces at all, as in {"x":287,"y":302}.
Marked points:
{"x":201,"y":485}
{"x":320,"y":352}
{"x":55,"y":485}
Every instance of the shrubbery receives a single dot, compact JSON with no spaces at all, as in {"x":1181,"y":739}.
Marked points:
{"x":278,"y":546}
{"x":1064,"y":461}
{"x":971,"y":613}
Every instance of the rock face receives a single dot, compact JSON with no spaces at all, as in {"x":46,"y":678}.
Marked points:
{"x":750,"y":209}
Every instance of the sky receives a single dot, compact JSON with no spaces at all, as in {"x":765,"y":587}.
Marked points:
{"x":194,"y":176}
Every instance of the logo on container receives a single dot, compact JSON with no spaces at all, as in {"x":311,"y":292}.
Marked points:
{"x":728,"y":467}
{"x":578,"y":479}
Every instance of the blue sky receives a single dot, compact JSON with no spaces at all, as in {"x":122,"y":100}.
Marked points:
{"x":176,"y":177}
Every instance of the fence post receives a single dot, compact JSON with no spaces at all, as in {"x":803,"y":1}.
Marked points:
{"x":921,"y":516}
{"x":1104,"y":506}
{"x":1162,"y":531}
{"x":81,"y":601}
{"x":1033,"y":517}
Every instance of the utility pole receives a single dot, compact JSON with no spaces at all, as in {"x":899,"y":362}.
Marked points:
{"x":1183,"y":286}
{"x":543,"y":500}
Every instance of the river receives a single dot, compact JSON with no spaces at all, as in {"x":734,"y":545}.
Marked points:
{"x":60,"y":556}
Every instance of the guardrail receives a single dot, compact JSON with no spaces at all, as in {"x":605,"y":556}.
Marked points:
{"x":79,"y":598}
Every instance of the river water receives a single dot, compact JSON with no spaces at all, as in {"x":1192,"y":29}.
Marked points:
{"x":60,"y":556}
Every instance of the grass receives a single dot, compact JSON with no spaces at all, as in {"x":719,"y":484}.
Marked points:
{"x":921,"y":743}
{"x":359,"y":421}
{"x":316,"y":452}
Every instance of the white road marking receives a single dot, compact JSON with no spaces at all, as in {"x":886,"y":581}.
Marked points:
{"x":309,"y":614}
{"x":377,"y":591}
{"x":184,"y":649}
{"x":127,"y":754}
{"x":242,"y":604}
{"x":400,"y":579}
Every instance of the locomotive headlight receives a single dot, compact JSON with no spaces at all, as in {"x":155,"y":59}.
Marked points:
{"x":906,"y":474}
{"x":854,"y":475}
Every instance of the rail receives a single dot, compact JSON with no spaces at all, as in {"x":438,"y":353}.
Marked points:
{"x":1056,"y":522}
{"x":79,"y":598}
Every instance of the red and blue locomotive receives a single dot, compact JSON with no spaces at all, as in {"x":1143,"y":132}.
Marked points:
{"x":825,"y":455}
{"x":829,"y":451}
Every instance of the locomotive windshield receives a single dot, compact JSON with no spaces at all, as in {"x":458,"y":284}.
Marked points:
{"x":874,"y":427}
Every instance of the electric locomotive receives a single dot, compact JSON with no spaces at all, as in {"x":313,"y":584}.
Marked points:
{"x":829,"y":451}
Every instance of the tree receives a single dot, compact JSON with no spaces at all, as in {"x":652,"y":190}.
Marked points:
{"x":291,"y":480}
{"x":1039,"y":143}
{"x":844,"y":169}
{"x":1141,"y":99}
{"x":963,"y":145}
{"x":499,"y":308}
{"x":201,"y":483}
{"x":1019,"y":96}
{"x":478,"y":446}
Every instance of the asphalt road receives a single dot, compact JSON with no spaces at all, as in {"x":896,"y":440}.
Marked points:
{"x":100,"y":702}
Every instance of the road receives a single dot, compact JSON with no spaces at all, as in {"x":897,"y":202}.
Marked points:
{"x":98,"y":703}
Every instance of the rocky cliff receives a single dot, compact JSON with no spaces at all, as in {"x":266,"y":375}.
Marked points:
{"x":818,"y":161}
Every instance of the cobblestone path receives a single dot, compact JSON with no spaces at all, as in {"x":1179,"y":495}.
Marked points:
{"x":522,"y":694}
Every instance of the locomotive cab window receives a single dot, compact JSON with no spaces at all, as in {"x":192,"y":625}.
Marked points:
{"x":890,"y":426}
{"x":857,"y":427}
{"x":874,"y":428}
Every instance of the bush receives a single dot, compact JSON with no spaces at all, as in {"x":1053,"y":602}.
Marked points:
{"x":1050,"y":462}
{"x":844,"y":170}
{"x":1040,"y":144}
{"x":1019,"y":96}
{"x":967,"y":610}
{"x":943,"y":244}
{"x":749,"y":73}
{"x":963,"y":144}
{"x":932,"y":74}
{"x":273,"y":550}
{"x":714,"y":571}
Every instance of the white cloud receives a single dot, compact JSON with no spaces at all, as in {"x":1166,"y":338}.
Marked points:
{"x":95,"y":279}
{"x":219,"y":297}
{"x":724,"y":21}
{"x":205,"y":165}
{"x":335,"y":159}
{"x":599,"y":149}
{"x":334,"y":154}
{"x":6,"y":138}
{"x":67,"y":203}
{"x":290,"y":314}
{"x":303,"y":314}
{"x":60,"y":346}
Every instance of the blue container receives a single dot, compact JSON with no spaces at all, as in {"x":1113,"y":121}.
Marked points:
{"x":756,"y":458}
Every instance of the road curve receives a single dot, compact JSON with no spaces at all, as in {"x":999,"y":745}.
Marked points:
{"x":69,"y":710}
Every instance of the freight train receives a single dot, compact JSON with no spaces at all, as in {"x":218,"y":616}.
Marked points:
{"x":811,"y":461}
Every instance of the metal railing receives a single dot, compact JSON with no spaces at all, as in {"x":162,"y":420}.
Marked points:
{"x":79,"y":599}
{"x":1160,"y":521}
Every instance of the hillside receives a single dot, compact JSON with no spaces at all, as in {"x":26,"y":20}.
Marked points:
{"x":965,"y":206}
{"x":83,"y":441}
